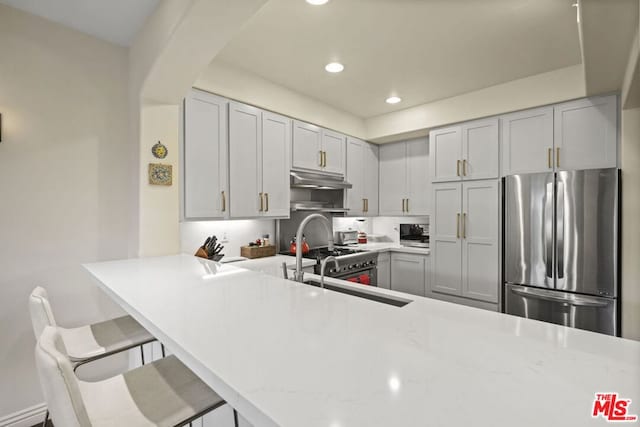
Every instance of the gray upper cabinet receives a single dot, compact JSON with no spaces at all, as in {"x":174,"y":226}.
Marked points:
{"x":585,"y":133}
{"x":393,"y":179}
{"x":334,"y":152}
{"x":205,"y":157}
{"x":362,"y":173}
{"x":259,"y":144}
{"x":581,"y":134}
{"x":307,"y":146}
{"x":317,"y":149}
{"x":465,"y":152}
{"x":480,"y":149}
{"x":527,"y":141}
{"x":404,"y":178}
{"x":446,"y":154}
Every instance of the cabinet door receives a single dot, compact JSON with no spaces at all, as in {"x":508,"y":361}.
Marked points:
{"x":586,"y":133}
{"x":418,"y":182}
{"x":355,"y":175}
{"x":480,"y":149}
{"x":445,"y":239}
{"x":306,"y":146}
{"x":245,"y":165}
{"x":384,"y":270}
{"x":480,"y":259}
{"x":407,"y":273}
{"x":334,"y":147}
{"x":445,"y":154}
{"x":205,"y":156}
{"x":371,"y":178}
{"x":393,"y":179}
{"x":527,"y":141}
{"x":276,"y":145}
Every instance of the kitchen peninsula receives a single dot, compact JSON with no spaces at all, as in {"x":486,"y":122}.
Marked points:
{"x":287,"y":354}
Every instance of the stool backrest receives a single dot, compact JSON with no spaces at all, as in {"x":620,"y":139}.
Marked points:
{"x":40,"y":309}
{"x":59,"y":383}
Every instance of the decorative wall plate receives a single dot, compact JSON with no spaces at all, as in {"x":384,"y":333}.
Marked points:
{"x":159,"y":150}
{"x":160,"y":174}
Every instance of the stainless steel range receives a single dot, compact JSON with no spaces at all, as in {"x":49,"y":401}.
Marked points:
{"x":355,"y":265}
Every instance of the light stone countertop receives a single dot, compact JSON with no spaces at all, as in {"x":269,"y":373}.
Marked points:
{"x":289,"y":354}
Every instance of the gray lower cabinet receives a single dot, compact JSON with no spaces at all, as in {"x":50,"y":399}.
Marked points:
{"x":409,"y":273}
{"x":384,"y":270}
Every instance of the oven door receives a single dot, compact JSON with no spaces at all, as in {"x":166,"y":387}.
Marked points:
{"x":367,"y":276}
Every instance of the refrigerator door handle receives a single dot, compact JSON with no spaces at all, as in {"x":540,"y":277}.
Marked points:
{"x":575,"y":300}
{"x":560,"y":230}
{"x":548,"y":229}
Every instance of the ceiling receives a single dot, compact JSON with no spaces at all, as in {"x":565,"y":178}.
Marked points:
{"x":116,"y":21}
{"x":420,"y":50}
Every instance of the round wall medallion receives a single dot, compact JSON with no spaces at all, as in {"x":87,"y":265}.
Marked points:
{"x":159,"y":150}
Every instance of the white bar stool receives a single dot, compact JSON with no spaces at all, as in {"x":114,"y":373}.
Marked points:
{"x":162,"y":393}
{"x":91,"y":342}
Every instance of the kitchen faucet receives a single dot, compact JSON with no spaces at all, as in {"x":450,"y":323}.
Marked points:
{"x":324,"y":265}
{"x":298,"y":276}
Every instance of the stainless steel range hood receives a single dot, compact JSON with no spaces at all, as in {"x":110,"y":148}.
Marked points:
{"x":316,"y":181}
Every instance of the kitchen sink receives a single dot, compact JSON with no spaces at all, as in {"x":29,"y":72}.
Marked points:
{"x":384,"y":299}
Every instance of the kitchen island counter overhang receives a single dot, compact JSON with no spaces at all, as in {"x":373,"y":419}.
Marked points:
{"x":288,"y":354}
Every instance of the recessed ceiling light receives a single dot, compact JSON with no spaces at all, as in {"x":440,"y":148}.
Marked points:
{"x":317,"y":2}
{"x":334,"y":67}
{"x":393,"y":100}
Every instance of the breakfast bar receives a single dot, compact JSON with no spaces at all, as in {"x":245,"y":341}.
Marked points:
{"x":289,"y":354}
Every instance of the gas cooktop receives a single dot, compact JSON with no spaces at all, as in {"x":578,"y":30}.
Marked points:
{"x":321,"y":253}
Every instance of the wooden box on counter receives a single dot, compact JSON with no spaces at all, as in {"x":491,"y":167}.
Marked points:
{"x":257,"y":251}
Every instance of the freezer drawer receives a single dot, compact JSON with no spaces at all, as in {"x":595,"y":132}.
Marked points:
{"x":577,"y":311}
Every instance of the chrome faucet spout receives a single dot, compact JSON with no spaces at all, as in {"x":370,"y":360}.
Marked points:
{"x":298,"y":276}
{"x":330,"y":258}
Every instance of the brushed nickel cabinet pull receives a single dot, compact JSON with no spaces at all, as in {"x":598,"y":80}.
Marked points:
{"x":364,"y":205}
{"x":464,"y":225}
{"x":549,"y":154}
{"x":321,"y":157}
{"x":458,"y":167}
{"x":367,"y":205}
{"x":224,"y":202}
{"x":464,"y":167}
{"x":266,"y":202}
{"x":402,"y":205}
{"x":557,"y":156}
{"x":261,"y":202}
{"x":457,"y":226}
{"x":407,"y":205}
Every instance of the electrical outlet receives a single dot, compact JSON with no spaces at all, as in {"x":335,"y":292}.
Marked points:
{"x":225,"y":238}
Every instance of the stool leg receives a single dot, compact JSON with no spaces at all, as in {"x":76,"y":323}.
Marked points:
{"x":235,"y":418}
{"x":142,"y":354}
{"x":46,"y":418}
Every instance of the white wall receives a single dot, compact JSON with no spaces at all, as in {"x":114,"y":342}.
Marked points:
{"x":243,"y":86}
{"x":630,"y":223}
{"x":64,"y":178}
{"x":540,"y":89}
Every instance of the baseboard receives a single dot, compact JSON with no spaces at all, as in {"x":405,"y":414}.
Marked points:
{"x":26,"y":417}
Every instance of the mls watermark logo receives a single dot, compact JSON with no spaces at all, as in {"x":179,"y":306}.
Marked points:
{"x":612,"y":408}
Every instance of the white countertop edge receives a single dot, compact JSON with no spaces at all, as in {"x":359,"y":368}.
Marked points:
{"x":233,"y":398}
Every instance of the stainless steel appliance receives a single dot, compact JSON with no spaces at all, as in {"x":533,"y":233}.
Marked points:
{"x":416,"y":235}
{"x":354,"y":265}
{"x":561,"y":248}
{"x":345,"y":237}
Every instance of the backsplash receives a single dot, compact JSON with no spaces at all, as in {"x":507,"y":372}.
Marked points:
{"x":386,"y":227}
{"x":237,"y":232}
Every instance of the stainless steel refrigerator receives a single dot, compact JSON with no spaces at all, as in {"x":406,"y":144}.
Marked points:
{"x":561,"y":234}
